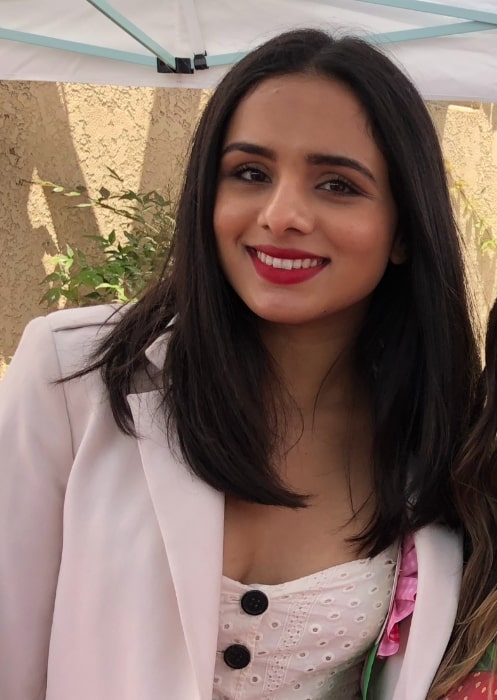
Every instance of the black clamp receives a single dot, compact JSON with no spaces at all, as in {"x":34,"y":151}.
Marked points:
{"x":183,"y":65}
{"x":200,"y":61}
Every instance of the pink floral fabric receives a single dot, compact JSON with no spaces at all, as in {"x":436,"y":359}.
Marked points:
{"x":404,"y":598}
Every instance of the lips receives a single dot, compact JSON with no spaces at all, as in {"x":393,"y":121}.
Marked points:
{"x":286,"y":266}
{"x":284,"y":263}
{"x":285,"y":253}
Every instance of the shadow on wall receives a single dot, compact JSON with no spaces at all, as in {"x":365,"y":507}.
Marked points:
{"x":490,"y":110}
{"x":36,"y":142}
{"x":173,"y":116}
{"x":68,"y":134}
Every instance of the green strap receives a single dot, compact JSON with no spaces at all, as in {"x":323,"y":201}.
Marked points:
{"x":487,"y":662}
{"x":367,"y":671}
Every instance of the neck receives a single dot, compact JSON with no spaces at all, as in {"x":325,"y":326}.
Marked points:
{"x":315,"y":362}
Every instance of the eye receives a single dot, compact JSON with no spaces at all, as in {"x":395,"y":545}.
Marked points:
{"x":250,"y":173}
{"x":340,"y":185}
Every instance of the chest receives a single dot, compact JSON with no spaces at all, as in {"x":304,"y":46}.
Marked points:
{"x":306,"y":638}
{"x":274,"y":544}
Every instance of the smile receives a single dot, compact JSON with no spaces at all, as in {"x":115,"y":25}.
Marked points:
{"x":295,"y":267}
{"x":289,"y":263}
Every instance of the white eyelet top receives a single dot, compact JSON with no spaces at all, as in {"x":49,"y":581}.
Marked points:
{"x":302,"y":640}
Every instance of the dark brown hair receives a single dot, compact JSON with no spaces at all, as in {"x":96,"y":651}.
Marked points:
{"x":475,"y":496}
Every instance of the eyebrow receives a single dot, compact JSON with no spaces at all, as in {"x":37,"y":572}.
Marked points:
{"x":312,"y":158}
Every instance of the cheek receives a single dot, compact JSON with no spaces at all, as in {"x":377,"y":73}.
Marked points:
{"x":234,"y":214}
{"x":226,"y":221}
{"x":372,"y":237}
{"x":226,"y":231}
{"x":218,"y":218}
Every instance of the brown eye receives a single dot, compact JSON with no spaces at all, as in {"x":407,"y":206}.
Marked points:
{"x":251,"y":174}
{"x":339,"y":185}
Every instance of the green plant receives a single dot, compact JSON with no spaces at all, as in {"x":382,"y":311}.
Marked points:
{"x":127,"y":259}
{"x":471,"y":208}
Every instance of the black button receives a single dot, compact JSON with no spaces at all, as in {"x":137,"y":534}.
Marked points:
{"x":236,"y":656}
{"x":254,"y":602}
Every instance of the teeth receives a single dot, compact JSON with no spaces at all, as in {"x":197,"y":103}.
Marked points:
{"x":287,"y":263}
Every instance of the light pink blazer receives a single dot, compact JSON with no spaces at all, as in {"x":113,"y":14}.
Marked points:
{"x":111,"y":551}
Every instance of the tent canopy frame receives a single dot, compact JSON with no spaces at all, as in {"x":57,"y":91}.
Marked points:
{"x":164,"y":61}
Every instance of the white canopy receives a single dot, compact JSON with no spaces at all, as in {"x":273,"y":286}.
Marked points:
{"x":449,"y":47}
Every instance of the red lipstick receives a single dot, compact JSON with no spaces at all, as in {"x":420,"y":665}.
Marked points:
{"x":283,"y":276}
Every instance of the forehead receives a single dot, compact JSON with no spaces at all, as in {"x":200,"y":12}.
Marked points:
{"x":305,"y":113}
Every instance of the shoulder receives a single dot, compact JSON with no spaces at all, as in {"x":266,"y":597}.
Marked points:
{"x":438,"y":546}
{"x":85,"y":317}
{"x":73,"y":334}
{"x":60,"y":344}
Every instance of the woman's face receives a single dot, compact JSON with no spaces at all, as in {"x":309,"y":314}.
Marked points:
{"x":304,"y":217}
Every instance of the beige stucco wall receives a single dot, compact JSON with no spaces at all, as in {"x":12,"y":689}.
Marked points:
{"x":69,"y":133}
{"x":469,"y":137}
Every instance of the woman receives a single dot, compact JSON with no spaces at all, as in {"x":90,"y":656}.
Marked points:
{"x":210,"y":503}
{"x":469,"y":668}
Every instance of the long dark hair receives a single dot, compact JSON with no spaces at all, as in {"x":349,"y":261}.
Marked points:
{"x":416,"y":351}
{"x":475,"y":496}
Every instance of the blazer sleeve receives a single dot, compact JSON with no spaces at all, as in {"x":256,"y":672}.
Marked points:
{"x":35,"y":459}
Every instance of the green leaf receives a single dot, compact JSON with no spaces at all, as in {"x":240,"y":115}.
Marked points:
{"x":488,"y":245}
{"x":70,"y":294}
{"x":129,"y":194}
{"x":62,"y":261}
{"x":52,"y":277}
{"x":90,"y":278}
{"x":159,"y":199}
{"x":44,"y":183}
{"x":51,"y":296}
{"x":116,"y":268}
{"x":107,"y":285}
{"x":58,"y":188}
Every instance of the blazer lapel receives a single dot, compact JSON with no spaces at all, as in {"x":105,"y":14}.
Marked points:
{"x":424,"y":637}
{"x":191,"y":519}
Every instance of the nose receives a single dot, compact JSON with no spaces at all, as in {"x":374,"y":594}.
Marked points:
{"x":286,"y":209}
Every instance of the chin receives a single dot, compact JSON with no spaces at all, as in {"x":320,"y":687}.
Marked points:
{"x":286,"y":316}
